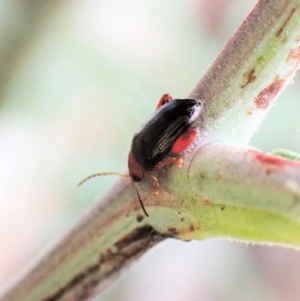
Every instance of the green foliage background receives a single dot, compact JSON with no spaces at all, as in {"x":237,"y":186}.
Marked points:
{"x":77,"y":79}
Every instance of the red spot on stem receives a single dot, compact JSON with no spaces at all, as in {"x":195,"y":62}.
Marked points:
{"x":280,"y":30}
{"x":264,"y":98}
{"x":294,"y":54}
{"x":208,"y":203}
{"x":272,"y":162}
{"x":250,"y":78}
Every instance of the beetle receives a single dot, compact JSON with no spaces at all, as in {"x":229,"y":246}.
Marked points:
{"x":157,"y":143}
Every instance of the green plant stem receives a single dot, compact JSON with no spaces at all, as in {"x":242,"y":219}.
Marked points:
{"x":259,"y":202}
{"x":256,"y":64}
{"x":259,"y":194}
{"x":211,"y":197}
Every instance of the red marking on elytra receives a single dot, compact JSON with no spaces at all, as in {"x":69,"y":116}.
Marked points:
{"x":265,"y":97}
{"x":184,"y":140}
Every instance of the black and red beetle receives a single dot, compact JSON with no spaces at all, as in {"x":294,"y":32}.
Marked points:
{"x":158,"y":142}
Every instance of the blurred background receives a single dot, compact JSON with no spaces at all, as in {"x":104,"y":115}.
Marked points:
{"x":77,"y":78}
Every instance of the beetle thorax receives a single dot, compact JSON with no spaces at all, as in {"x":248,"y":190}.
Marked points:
{"x":136,"y":171}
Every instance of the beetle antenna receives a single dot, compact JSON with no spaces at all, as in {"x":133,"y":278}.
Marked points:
{"x":121,"y":175}
{"x":140,"y":200}
{"x":103,"y":174}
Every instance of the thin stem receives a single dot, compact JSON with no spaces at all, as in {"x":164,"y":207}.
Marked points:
{"x":221,"y":190}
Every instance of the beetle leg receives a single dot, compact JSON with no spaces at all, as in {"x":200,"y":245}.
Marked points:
{"x":185,"y":140}
{"x":168,"y":161}
{"x":156,"y":184}
{"x":163,"y":100}
{"x":161,"y":164}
